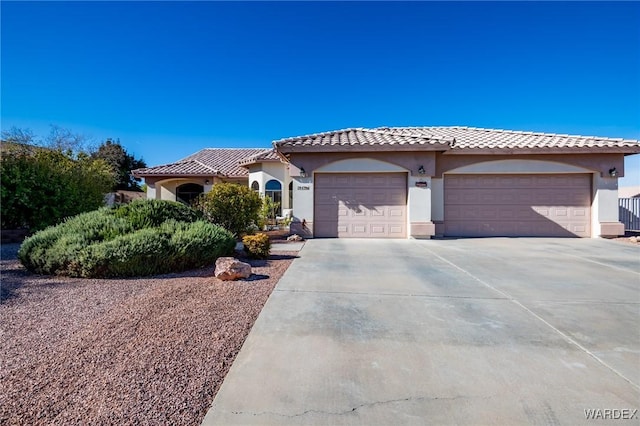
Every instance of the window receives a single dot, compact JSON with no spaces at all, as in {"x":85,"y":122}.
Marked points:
{"x":188,"y":192}
{"x":255,"y":186}
{"x":273,"y":190}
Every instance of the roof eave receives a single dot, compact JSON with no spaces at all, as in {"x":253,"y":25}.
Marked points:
{"x":141,"y":175}
{"x":359,"y":148}
{"x":546,"y":150}
{"x":252,"y":162}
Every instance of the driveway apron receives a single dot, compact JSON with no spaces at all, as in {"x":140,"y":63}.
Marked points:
{"x":468,"y":331}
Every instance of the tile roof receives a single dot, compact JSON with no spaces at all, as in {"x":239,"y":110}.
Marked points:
{"x":362,"y":138}
{"x":206,"y":162}
{"x":267,"y":155}
{"x":452,"y":139}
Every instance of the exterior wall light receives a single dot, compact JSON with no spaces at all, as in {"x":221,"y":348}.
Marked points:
{"x":613,"y":172}
{"x":421,"y":170}
{"x":303,"y":172}
{"x":207,"y":182}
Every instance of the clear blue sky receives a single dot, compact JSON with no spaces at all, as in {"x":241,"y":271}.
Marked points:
{"x":168,"y":78}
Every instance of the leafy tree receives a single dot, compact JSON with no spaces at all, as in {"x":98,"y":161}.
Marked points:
{"x":42,"y":186}
{"x":114,"y":154}
{"x":232,"y":206}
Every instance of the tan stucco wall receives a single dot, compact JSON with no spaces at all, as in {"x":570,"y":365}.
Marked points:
{"x":410,"y":161}
{"x":600,"y":163}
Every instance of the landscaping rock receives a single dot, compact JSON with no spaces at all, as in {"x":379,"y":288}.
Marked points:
{"x":229,"y":269}
{"x":295,"y":237}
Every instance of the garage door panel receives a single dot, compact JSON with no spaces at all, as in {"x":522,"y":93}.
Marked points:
{"x":367,"y":205}
{"x":517,"y":205}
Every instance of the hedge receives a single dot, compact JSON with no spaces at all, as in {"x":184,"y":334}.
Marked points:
{"x":146,"y":237}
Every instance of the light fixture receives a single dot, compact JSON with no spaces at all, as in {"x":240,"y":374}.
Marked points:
{"x":303,"y":172}
{"x":421,"y":170}
{"x":613,"y":172}
{"x":207,"y":182}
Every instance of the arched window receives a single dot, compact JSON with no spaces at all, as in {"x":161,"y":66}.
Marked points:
{"x":273,"y":190}
{"x":255,"y":186}
{"x":291,"y":195}
{"x":188,"y":192}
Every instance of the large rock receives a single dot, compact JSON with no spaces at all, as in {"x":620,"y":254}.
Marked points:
{"x":229,"y":268}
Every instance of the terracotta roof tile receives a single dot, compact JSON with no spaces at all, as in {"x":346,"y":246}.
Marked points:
{"x":358,"y":138}
{"x":447,"y":138}
{"x":473,"y":137}
{"x":267,"y":155}
{"x":206,"y":162}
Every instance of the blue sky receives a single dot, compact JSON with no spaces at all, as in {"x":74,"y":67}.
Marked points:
{"x":168,"y":78}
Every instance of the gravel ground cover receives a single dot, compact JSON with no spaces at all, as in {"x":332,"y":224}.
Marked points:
{"x":122,"y":351}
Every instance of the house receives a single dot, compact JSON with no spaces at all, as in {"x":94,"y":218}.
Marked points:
{"x":419,"y":182}
{"x":186,"y":179}
{"x":629,"y":192}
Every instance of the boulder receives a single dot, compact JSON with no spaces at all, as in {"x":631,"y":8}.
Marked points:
{"x":294,"y":237}
{"x":229,"y":268}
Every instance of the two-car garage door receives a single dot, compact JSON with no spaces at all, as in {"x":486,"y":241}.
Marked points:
{"x":537,"y":205}
{"x":360,"y":205}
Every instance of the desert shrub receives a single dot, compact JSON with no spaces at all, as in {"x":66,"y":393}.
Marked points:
{"x":232,"y":206}
{"x":198,"y":244}
{"x":143,"y":252}
{"x":126,"y":242}
{"x":144,"y":213}
{"x":257,"y":246}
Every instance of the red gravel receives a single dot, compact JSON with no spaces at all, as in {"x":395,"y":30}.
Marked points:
{"x":130,"y":351}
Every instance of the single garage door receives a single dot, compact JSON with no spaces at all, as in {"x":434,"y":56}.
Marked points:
{"x":360,"y":205}
{"x":517,"y":205}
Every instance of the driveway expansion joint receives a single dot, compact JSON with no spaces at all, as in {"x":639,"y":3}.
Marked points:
{"x":368,"y":293}
{"x":358,"y":407}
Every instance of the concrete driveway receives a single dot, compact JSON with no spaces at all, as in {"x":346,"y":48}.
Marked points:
{"x":468,"y":331}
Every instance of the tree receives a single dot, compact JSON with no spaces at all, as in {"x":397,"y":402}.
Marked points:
{"x":232,"y":206}
{"x":41,"y":186}
{"x":114,"y":154}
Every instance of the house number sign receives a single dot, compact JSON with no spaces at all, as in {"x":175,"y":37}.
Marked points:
{"x":304,"y":188}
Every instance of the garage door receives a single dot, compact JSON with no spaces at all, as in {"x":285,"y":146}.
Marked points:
{"x":517,"y":205}
{"x":361,"y":205}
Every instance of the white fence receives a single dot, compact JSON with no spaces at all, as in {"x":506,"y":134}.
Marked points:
{"x":629,"y":213}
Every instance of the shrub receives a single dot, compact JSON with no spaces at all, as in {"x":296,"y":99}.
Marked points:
{"x":268,"y":212}
{"x":232,"y":206}
{"x":144,"y":213}
{"x":257,"y":246}
{"x":127,"y":241}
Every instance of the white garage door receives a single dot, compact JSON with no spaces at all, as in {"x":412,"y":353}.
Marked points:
{"x":517,"y":205}
{"x":360,"y":205}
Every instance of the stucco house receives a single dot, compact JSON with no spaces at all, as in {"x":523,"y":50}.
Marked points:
{"x":419,"y":182}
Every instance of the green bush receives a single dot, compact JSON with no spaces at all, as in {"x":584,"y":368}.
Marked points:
{"x":132,"y":240}
{"x":40,"y":187}
{"x":149,"y":213}
{"x":232,"y":206}
{"x":257,"y":246}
